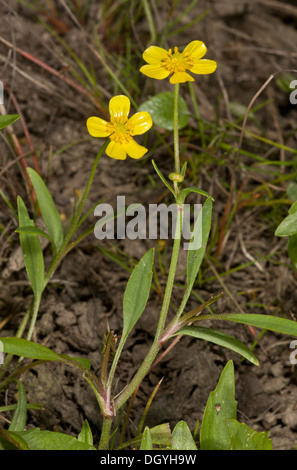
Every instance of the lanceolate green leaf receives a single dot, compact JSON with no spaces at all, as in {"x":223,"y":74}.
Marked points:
{"x":8,"y":119}
{"x":85,"y":434}
{"x":222,"y":339}
{"x":10,"y":440}
{"x":33,"y":231}
{"x":195,"y":257}
{"x":182,"y":438}
{"x":162,"y":178}
{"x":32,"y":251}
{"x":19,"y":419}
{"x":24,"y":348}
{"x":137,"y":291}
{"x":35,"y":439}
{"x":146,"y":441}
{"x":48,"y":209}
{"x":267,"y":322}
{"x":221,"y":405}
{"x":185,"y":192}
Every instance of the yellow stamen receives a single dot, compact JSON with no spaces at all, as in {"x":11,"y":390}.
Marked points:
{"x":119,"y":131}
{"x":177,"y":62}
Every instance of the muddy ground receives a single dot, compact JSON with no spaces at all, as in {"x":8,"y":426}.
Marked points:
{"x":251,"y":40}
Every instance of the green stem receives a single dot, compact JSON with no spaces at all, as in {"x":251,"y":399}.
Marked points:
{"x":105,"y":434}
{"x":121,"y":399}
{"x":150,"y":357}
{"x":175,"y":123}
{"x":36,"y":304}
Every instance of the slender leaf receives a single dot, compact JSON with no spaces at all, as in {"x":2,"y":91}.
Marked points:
{"x":182,"y":438}
{"x":162,"y":178}
{"x":146,"y":441}
{"x":268,"y":322}
{"x":242,"y":437}
{"x":220,"y":338}
{"x":8,"y":119}
{"x":48,"y":209}
{"x":33,"y":231}
{"x":195,"y":257}
{"x":24,"y":348}
{"x":32,"y":251}
{"x":50,"y":440}
{"x":10,"y":440}
{"x":19,"y":419}
{"x":192,"y":314}
{"x":137,"y":291}
{"x":85,"y":434}
{"x":221,"y":405}
{"x":185,"y":192}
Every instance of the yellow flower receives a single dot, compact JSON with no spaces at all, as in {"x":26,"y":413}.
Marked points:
{"x":162,"y":63}
{"x":120,"y":129}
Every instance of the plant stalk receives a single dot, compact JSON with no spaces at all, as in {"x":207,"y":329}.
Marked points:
{"x":150,"y":357}
{"x":105,"y":433}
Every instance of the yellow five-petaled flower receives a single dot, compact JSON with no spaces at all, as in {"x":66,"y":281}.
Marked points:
{"x":162,"y":63}
{"x":120,"y":129}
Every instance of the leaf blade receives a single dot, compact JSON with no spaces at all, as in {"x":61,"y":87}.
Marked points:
{"x":182,"y":438}
{"x":8,"y":119}
{"x":48,"y":209}
{"x":267,"y":322}
{"x":32,"y":251}
{"x":139,"y":282}
{"x":161,"y":108}
{"x":242,"y":437}
{"x":195,"y":257}
{"x":19,"y":419}
{"x":221,"y":405}
{"x":221,"y":339}
{"x":25,"y":348}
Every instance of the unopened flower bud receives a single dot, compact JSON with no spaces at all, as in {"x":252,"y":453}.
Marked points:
{"x":176,"y":177}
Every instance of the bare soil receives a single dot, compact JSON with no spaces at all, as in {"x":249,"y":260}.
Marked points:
{"x":251,"y":40}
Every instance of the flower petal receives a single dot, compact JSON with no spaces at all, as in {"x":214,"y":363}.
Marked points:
{"x":97,"y":127}
{"x":134,"y":150}
{"x":154,"y":71}
{"x":154,"y":54}
{"x":116,"y":150}
{"x":181,"y":77}
{"x":204,"y":66}
{"x":196,"y":49}
{"x":119,"y":107}
{"x":139,"y":123}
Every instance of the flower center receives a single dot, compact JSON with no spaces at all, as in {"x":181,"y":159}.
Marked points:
{"x":119,"y":132}
{"x":177,"y":61}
